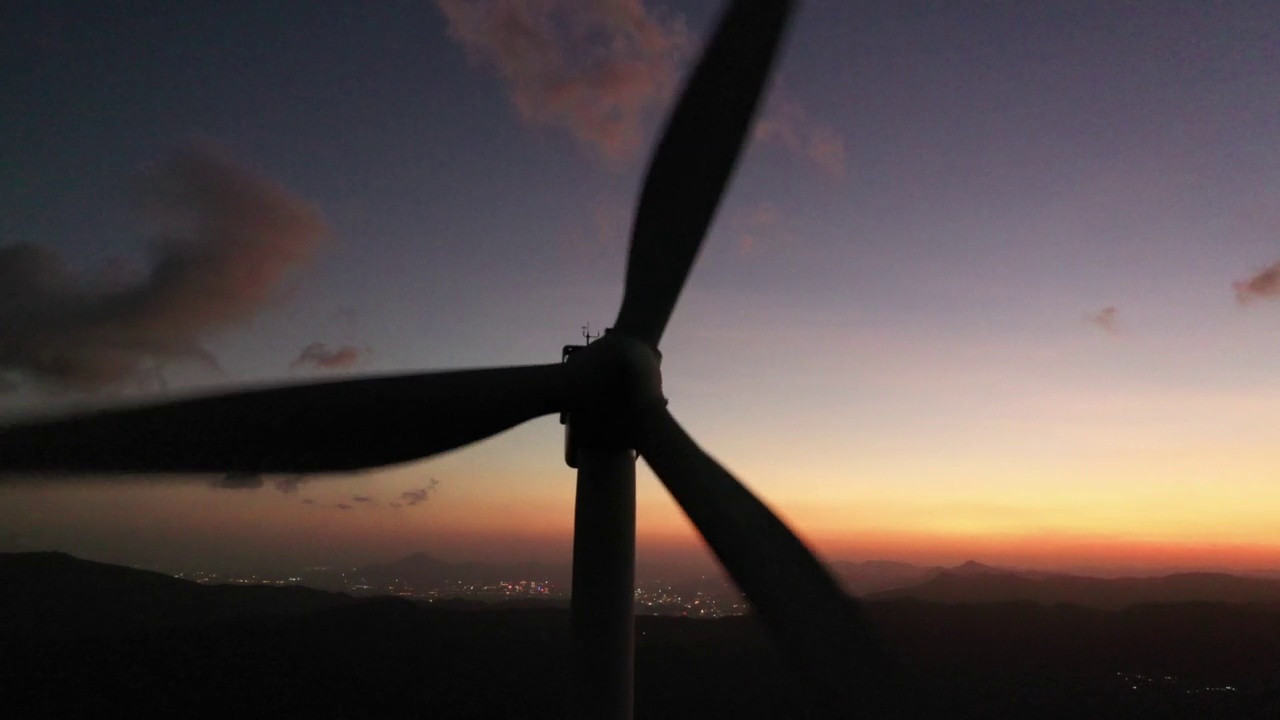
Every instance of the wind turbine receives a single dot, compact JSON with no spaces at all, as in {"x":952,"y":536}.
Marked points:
{"x":611,"y":391}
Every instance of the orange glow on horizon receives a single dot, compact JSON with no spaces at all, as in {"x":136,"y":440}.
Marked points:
{"x":1048,"y":551}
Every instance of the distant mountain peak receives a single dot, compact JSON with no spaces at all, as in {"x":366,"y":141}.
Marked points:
{"x":973,"y":567}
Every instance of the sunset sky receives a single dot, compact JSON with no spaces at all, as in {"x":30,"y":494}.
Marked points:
{"x":996,"y":280}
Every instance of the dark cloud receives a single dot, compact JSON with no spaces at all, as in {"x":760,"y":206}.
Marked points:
{"x":343,"y":506}
{"x":1263,"y":286}
{"x":318,"y":355}
{"x":416,"y":497}
{"x":361,"y":498}
{"x":308,"y":501}
{"x":289,"y":483}
{"x":413,"y":497}
{"x":1108,"y":319}
{"x":593,"y":69}
{"x":239,"y":481}
{"x":252,"y":481}
{"x":396,"y":505}
{"x":222,"y":241}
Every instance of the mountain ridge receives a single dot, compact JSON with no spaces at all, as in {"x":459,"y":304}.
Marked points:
{"x":53,"y":592}
{"x":84,"y":594}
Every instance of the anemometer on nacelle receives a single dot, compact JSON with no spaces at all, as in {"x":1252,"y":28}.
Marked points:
{"x":570,"y":444}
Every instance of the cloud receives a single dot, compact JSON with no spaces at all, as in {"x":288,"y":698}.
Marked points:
{"x":762,"y":224}
{"x":413,"y":497}
{"x":241,"y":480}
{"x":1107,"y":319}
{"x":319,"y":355}
{"x":405,"y":499}
{"x":786,"y":121}
{"x":1263,"y":286}
{"x":419,"y":496}
{"x":223,"y":241}
{"x":826,"y":149}
{"x":238,"y":481}
{"x":593,"y":69}
{"x":289,"y":483}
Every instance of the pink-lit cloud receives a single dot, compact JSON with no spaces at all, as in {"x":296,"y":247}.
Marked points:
{"x":223,"y":241}
{"x":826,"y":149}
{"x":320,"y":356}
{"x":1108,"y":319}
{"x":1265,"y":285}
{"x":786,"y":121}
{"x":761,"y":226}
{"x":593,"y":69}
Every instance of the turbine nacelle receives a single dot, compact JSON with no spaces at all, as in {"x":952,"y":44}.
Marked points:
{"x":612,"y":383}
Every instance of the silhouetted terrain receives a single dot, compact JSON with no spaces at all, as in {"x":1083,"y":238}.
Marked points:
{"x":57,"y":594}
{"x":82,"y":638}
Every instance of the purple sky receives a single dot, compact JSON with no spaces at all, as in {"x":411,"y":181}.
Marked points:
{"x":995,"y":279}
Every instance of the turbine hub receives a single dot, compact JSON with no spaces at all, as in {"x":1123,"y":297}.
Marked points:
{"x":614,"y":379}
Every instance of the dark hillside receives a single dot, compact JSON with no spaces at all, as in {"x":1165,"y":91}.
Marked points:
{"x":297,"y":653}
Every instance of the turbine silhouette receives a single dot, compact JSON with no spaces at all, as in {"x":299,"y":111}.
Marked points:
{"x":610,"y":390}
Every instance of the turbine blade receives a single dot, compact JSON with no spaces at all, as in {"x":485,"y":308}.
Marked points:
{"x":822,"y":631}
{"x":331,"y":426}
{"x":694,"y":161}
